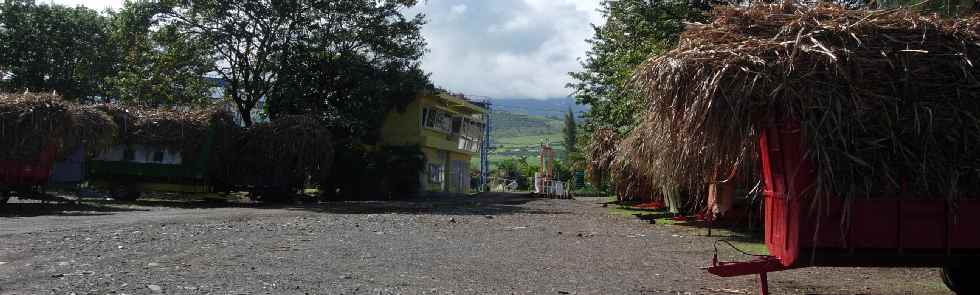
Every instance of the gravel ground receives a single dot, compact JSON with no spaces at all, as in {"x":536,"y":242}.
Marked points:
{"x":487,"y":244}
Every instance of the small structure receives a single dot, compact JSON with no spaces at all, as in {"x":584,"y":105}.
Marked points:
{"x":547,"y":182}
{"x":450,"y":131}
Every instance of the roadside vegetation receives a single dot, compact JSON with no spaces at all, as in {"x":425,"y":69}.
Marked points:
{"x":263,"y":60}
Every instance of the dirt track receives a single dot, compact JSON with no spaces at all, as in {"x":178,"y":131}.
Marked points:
{"x":489,"y":244}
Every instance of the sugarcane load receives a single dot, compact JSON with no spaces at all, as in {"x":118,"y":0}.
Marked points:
{"x":887,"y":100}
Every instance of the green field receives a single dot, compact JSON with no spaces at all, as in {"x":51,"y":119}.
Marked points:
{"x":530,"y":140}
{"x":520,"y":135}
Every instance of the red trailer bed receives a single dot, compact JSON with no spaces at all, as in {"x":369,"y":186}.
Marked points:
{"x":850,"y":232}
{"x":25,"y":175}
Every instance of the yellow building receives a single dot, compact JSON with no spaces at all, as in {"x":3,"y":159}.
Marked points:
{"x":449,"y":129}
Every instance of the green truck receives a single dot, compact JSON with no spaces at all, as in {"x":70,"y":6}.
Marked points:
{"x":128,"y":170}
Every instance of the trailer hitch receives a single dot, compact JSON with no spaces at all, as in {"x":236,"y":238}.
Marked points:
{"x":760,"y":265}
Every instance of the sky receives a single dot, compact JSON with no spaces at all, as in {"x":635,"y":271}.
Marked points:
{"x":495,"y":48}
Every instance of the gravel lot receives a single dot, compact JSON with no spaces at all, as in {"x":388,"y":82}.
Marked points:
{"x":487,"y":244}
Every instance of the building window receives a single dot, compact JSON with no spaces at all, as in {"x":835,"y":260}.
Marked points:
{"x":158,"y":157}
{"x":457,"y":125}
{"x":472,"y":129}
{"x":437,"y":119}
{"x":436,"y":173}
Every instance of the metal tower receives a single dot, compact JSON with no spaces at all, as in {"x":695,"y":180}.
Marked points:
{"x":485,"y":148}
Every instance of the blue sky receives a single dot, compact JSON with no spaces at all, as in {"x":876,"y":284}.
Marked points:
{"x":496,"y":48}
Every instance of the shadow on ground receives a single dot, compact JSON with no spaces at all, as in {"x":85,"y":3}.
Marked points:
{"x":34,"y":209}
{"x":180,"y":203}
{"x":441,"y":204}
{"x":739,"y":225}
{"x":438,"y":204}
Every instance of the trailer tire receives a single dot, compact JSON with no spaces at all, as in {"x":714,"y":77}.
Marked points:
{"x":4,"y":198}
{"x":960,"y":280}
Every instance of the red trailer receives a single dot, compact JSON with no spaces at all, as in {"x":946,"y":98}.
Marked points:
{"x":854,"y":232}
{"x":25,"y":177}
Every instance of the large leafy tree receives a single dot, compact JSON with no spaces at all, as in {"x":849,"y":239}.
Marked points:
{"x":251,"y":40}
{"x":158,"y":65}
{"x":290,"y":52}
{"x":360,"y":61}
{"x":55,"y":48}
{"x":634,"y":30}
{"x":348,"y":92}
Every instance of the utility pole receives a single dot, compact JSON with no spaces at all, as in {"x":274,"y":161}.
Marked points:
{"x":485,"y":147}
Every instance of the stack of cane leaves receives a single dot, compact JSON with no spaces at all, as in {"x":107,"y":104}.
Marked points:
{"x":33,"y":122}
{"x":888,"y":101}
{"x":181,"y":129}
{"x":91,"y":128}
{"x":291,"y":150}
{"x":602,"y":149}
{"x":629,"y":180}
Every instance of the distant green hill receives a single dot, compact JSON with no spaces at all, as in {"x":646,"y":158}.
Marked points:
{"x":507,"y":124}
{"x":515,"y":135}
{"x":554,"y":107}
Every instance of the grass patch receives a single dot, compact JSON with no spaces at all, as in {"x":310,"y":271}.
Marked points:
{"x":739,"y":237}
{"x":632,"y":212}
{"x":752,"y":247}
{"x":935,"y":285}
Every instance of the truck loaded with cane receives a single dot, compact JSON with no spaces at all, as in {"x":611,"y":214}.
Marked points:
{"x":865,"y":123}
{"x":126,"y":150}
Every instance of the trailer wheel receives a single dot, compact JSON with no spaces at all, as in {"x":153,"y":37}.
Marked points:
{"x":4,"y":197}
{"x":960,"y":280}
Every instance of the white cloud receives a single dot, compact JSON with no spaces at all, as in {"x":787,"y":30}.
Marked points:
{"x":458,"y":9}
{"x":508,"y":48}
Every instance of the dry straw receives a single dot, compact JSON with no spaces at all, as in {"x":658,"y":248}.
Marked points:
{"x":601,"y":150}
{"x":888,"y":100}
{"x":631,"y":181}
{"x":181,"y":129}
{"x":31,"y":122}
{"x":289,"y":151}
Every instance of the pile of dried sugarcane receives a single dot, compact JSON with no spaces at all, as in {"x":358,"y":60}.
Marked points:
{"x":888,"y":100}
{"x":288,"y":151}
{"x":181,"y":129}
{"x":601,"y":150}
{"x":31,"y":122}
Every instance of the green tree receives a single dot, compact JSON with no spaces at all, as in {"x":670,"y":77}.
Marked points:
{"x":289,"y":52}
{"x":634,"y":30}
{"x":352,"y":73}
{"x":569,"y":133}
{"x":349,"y":92}
{"x":55,"y":48}
{"x":158,"y":65}
{"x":251,"y":40}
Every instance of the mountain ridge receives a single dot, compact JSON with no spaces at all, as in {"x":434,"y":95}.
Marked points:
{"x":552,"y":107}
